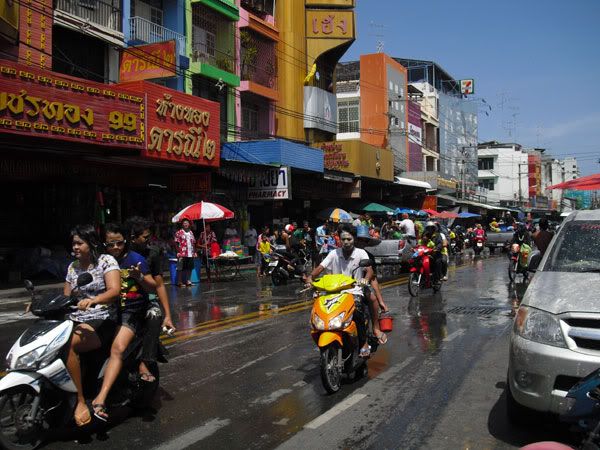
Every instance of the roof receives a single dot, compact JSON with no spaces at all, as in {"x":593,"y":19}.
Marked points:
{"x":411,"y":182}
{"x":593,"y":214}
{"x":347,"y":71}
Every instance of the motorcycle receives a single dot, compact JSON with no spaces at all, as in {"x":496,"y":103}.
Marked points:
{"x":282,"y":266}
{"x":38,"y":394}
{"x":478,"y":244}
{"x":517,"y":264}
{"x":334,"y":330}
{"x":421,"y":275}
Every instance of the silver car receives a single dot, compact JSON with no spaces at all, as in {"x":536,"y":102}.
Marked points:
{"x":556,"y":335}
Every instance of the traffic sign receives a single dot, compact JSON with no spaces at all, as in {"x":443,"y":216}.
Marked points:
{"x":467,"y":86}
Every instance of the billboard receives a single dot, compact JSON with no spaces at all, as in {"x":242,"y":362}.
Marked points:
{"x":415,"y":138}
{"x":41,"y":103}
{"x":274,"y":184}
{"x":146,"y":62}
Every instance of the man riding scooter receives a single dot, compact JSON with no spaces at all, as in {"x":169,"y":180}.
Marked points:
{"x":345,"y":261}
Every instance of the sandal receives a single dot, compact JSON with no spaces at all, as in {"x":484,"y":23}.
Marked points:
{"x":147,"y":377}
{"x":181,"y":285}
{"x":78,"y":419}
{"x":365,"y":352}
{"x":382,"y":338}
{"x":100,"y":412}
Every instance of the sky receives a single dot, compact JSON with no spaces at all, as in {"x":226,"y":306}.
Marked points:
{"x":535,"y":62}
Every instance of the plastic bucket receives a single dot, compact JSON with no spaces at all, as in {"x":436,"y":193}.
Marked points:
{"x":195,"y":277}
{"x":173,"y":270}
{"x":386,"y":323}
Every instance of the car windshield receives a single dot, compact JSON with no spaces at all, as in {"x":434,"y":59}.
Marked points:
{"x":577,"y":248}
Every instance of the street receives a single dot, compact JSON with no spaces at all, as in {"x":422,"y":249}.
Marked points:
{"x":243,"y":372}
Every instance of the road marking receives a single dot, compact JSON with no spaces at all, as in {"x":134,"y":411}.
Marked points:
{"x":196,"y":435}
{"x":395,"y":369}
{"x":282,"y":422}
{"x":454,"y":335}
{"x":286,"y":368}
{"x":254,"y":361}
{"x":272,"y":397}
{"x":337,"y":409}
{"x":300,"y":383}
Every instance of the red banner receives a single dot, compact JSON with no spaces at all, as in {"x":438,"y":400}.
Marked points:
{"x":145,"y":62}
{"x":40,"y":103}
{"x":35,"y":46}
{"x":180,"y":127}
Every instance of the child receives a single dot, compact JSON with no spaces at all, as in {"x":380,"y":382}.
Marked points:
{"x":264,"y":248}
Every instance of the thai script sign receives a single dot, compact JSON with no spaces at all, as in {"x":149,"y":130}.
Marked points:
{"x":334,"y":157}
{"x":273,"y":185}
{"x":35,"y":46}
{"x":338,"y":24}
{"x":149,"y":61}
{"x":41,"y":103}
{"x":190,"y":182}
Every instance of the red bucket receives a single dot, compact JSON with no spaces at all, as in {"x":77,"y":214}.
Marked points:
{"x":386,"y":323}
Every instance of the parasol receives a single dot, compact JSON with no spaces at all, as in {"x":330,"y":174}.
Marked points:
{"x":205,"y":211}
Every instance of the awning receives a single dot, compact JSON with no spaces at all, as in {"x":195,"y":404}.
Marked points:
{"x":446,"y":197}
{"x":478,"y":205}
{"x":411,"y":182}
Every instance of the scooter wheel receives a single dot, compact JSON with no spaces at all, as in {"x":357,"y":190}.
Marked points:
{"x":413,"y":284}
{"x":17,"y":431}
{"x":330,"y":371}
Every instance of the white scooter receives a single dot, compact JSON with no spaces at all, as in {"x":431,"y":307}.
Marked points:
{"x":38,"y":393}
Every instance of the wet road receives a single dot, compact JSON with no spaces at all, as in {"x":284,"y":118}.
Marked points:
{"x":243,"y":372}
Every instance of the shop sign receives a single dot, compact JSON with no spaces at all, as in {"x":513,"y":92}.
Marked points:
{"x":180,"y":127}
{"x":320,"y":109}
{"x":429,"y":202}
{"x":9,"y":19}
{"x":334,"y":157}
{"x":37,"y":102}
{"x":35,"y":46}
{"x":190,"y":182}
{"x":444,"y":183}
{"x":334,"y":23}
{"x":274,"y":184}
{"x":145,"y":62}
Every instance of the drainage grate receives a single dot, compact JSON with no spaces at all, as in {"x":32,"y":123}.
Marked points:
{"x":474,"y":310}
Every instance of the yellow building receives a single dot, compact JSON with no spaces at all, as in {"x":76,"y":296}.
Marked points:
{"x":314,"y":34}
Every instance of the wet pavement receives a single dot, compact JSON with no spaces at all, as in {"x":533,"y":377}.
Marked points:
{"x":244,"y":373}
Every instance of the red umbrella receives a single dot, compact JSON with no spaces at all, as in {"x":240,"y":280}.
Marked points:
{"x":589,"y":183}
{"x":208,"y":212}
{"x":431,"y":212}
{"x":447,"y":215}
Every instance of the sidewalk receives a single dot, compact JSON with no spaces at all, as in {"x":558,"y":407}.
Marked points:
{"x":21,"y":295}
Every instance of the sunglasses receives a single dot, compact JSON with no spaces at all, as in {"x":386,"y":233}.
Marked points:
{"x":115,"y":244}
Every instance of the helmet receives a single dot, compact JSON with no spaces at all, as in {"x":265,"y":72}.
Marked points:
{"x":431,"y":224}
{"x":289,"y":228}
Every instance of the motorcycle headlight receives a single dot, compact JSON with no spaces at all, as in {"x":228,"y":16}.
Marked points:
{"x":29,"y":360}
{"x":539,"y":326}
{"x":337,"y":322}
{"x":53,"y":348}
{"x":318,"y":323}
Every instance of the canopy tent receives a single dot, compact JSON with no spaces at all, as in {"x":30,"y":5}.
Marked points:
{"x":377,"y":208}
{"x":412,"y":212}
{"x":468,"y":215}
{"x":430,"y":212}
{"x":447,"y":215}
{"x":589,"y":183}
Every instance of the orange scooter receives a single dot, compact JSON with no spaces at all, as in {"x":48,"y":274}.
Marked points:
{"x":334,"y":330}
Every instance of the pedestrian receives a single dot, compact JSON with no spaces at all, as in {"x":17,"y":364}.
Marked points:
{"x":322,"y":239}
{"x":231,"y":231}
{"x":407,"y":226}
{"x":208,"y":246}
{"x":185,"y":243}
{"x":250,"y":241}
{"x":543,"y":237}
{"x":264,"y":248}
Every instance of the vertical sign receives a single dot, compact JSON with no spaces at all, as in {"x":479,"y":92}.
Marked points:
{"x":35,"y":46}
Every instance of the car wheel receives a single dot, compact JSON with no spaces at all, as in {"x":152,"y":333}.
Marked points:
{"x":518,"y":414}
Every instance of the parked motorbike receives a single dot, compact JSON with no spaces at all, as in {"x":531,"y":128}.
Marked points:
{"x":283,"y":266}
{"x":334,"y":330}
{"x":38,"y":394}
{"x":517,"y":263}
{"x":421,"y":275}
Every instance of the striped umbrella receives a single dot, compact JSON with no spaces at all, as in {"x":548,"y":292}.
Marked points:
{"x":340,"y":216}
{"x":208,"y":212}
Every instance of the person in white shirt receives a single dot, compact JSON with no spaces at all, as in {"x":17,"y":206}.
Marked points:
{"x":346,"y":261}
{"x":230,"y":231}
{"x":250,"y":240}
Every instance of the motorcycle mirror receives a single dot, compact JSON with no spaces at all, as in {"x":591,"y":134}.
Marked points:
{"x":534,"y":261}
{"x":84,"y":278}
{"x":29,"y":285}
{"x":365,"y":263}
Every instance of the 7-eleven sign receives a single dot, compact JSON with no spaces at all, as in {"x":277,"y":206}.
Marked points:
{"x":467,"y":87}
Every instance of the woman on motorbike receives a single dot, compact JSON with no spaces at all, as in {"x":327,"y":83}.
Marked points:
{"x":136,"y":283}
{"x":96,"y":314}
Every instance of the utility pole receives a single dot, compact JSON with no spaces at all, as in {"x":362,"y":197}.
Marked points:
{"x":519,"y":175}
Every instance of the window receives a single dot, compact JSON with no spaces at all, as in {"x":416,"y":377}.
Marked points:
{"x":250,"y":118}
{"x":349,"y":116}
{"x":486,"y":164}
{"x":576,"y":249}
{"x":487,"y":184}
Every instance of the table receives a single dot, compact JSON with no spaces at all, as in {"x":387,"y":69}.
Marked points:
{"x":228,"y":269}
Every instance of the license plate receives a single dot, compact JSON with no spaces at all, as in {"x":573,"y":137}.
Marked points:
{"x":480,"y":244}
{"x":499,"y":245}
{"x":273,"y":264}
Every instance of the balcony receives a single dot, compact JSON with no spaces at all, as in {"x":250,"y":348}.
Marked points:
{"x":258,"y":59}
{"x":144,"y":31}
{"x":261,"y":8}
{"x":105,"y":14}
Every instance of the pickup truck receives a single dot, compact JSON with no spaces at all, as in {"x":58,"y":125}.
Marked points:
{"x":391,"y":252}
{"x":498,"y":240}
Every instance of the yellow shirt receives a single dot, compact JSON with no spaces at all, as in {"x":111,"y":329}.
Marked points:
{"x":264,"y":247}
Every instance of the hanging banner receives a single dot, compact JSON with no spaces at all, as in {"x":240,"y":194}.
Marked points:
{"x":40,"y":103}
{"x":146,"y":62}
{"x":275,"y":184}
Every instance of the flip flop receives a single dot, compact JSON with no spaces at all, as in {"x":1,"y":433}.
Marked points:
{"x":382,"y":338}
{"x":100,"y":412}
{"x":80,"y":423}
{"x":147,"y":377}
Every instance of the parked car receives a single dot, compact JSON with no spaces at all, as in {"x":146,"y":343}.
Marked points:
{"x":556,"y":334}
